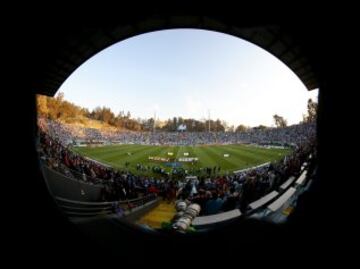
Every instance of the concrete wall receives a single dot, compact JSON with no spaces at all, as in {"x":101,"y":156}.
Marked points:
{"x":139,"y":212}
{"x":62,"y":186}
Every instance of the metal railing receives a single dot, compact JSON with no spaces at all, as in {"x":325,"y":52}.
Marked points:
{"x":92,"y":209}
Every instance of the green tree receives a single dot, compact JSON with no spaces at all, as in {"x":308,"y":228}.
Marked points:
{"x":260,"y":127}
{"x":279,"y":121}
{"x":41,"y":104}
{"x":241,"y":128}
{"x":312,"y":108}
{"x":230,"y":129}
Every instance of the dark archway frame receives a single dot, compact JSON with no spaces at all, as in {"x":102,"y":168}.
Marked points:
{"x":51,"y":56}
{"x":80,"y":46}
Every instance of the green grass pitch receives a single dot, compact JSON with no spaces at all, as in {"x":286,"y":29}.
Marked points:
{"x":240,"y":156}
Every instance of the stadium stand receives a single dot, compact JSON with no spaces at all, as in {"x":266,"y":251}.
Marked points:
{"x":216,"y":219}
{"x":278,"y":203}
{"x":263,"y":200}
{"x":67,"y":134}
{"x":301,"y":179}
{"x":247,"y":190}
{"x":287,"y":183}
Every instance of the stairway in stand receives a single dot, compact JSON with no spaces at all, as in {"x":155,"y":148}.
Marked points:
{"x":164,"y":212}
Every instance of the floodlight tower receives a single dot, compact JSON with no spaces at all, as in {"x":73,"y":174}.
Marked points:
{"x":154,"y":121}
{"x":209,"y":118}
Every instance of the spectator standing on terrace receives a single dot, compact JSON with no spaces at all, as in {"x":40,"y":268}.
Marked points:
{"x":213,"y":206}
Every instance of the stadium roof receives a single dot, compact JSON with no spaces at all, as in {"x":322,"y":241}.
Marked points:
{"x":73,"y":45}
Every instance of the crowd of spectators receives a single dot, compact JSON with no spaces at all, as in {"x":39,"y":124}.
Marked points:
{"x":224,"y":193}
{"x":212,"y":192}
{"x":68,"y":133}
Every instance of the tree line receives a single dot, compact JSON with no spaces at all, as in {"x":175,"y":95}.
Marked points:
{"x":57,"y":108}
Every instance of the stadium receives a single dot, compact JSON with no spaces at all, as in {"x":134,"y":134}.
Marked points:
{"x":81,"y":187}
{"x":150,"y":178}
{"x":186,"y":174}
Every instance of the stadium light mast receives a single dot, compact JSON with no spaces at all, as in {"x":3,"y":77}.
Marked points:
{"x":154,"y":121}
{"x":209,"y":118}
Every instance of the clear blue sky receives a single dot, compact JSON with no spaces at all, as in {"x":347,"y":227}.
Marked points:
{"x":186,"y":73}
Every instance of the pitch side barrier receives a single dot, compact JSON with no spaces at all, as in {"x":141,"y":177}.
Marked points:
{"x":251,"y":168}
{"x":97,"y":162}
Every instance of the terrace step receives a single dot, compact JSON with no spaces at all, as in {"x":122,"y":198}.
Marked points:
{"x":164,"y":212}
